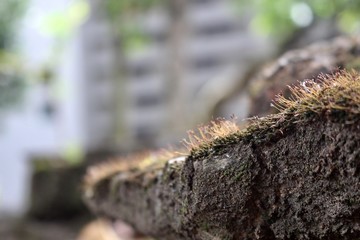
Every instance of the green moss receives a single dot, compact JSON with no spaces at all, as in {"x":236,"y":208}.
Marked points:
{"x":353,"y":201}
{"x":205,"y":226}
{"x":241,"y":171}
{"x":183,"y":210}
{"x":354,"y":64}
{"x":44,"y":164}
{"x":227,"y":172}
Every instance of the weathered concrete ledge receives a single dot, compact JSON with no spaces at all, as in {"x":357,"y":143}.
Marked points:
{"x":294,"y":175}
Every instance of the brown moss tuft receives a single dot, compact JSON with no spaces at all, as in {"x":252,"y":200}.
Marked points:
{"x":330,"y":94}
{"x":339,"y":91}
{"x":205,"y":135}
{"x":148,"y":160}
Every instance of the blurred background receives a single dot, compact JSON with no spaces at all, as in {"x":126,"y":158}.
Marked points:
{"x":84,"y":80}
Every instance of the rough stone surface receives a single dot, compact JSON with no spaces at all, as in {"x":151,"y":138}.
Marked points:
{"x":298,"y":181}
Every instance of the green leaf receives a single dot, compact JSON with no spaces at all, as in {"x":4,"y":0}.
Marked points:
{"x":349,"y":21}
{"x":73,"y":153}
{"x":61,"y":24}
{"x":323,"y":8}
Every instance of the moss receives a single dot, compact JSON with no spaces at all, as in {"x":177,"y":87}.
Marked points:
{"x":241,"y":171}
{"x":253,"y":182}
{"x":227,"y":172}
{"x":134,"y":165}
{"x":353,"y":64}
{"x":184,"y":209}
{"x":44,"y":164}
{"x":335,"y":97}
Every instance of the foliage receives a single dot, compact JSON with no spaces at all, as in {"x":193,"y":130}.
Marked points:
{"x":10,"y":13}
{"x":61,"y":24}
{"x":11,"y":82}
{"x":123,"y":15}
{"x":280,"y":18}
{"x":11,"y":89}
{"x":121,"y":8}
